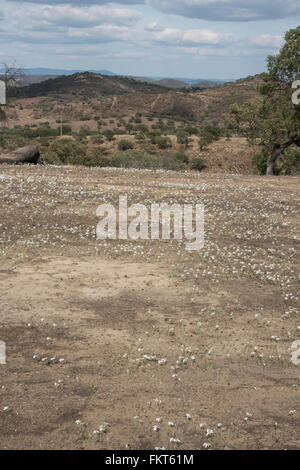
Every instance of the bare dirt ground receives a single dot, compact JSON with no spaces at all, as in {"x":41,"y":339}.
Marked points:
{"x":144,"y":345}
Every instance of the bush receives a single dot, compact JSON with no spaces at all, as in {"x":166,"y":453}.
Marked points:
{"x":65,"y":151}
{"x":124,"y":145}
{"x":96,"y":157}
{"x":142,"y":128}
{"x":142,"y":160}
{"x":182,"y":137}
{"x":203,"y":142}
{"x":260,"y":162}
{"x":198,"y":164}
{"x":85,"y":118}
{"x":190,"y":130}
{"x":97,"y":139}
{"x":212,"y":133}
{"x":140,"y":137}
{"x":109,"y":134}
{"x":290,"y":161}
{"x":162,"y":142}
{"x":181,"y":157}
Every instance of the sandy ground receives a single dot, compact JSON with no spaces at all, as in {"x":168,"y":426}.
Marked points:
{"x":144,"y":345}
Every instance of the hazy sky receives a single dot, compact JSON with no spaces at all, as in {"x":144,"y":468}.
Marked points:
{"x":174,"y":38}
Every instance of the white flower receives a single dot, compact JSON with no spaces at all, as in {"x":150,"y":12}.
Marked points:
{"x":162,"y":361}
{"x":175,"y":441}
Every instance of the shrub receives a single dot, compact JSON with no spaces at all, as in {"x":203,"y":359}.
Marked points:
{"x":190,"y":130}
{"x":143,"y":160}
{"x":163,"y":142}
{"x":198,"y":164}
{"x":181,"y":157}
{"x":142,"y":128}
{"x":140,"y":137}
{"x":109,"y":134}
{"x":260,"y":162}
{"x":66,"y":151}
{"x":203,"y":142}
{"x":85,"y":118}
{"x":290,"y":161}
{"x":97,"y":139}
{"x":124,"y":145}
{"x":96,"y":157}
{"x":182,"y":137}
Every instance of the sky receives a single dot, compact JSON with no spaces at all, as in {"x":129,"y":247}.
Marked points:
{"x":220,"y":39}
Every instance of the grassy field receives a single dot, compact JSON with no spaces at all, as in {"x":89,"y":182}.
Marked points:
{"x":144,"y":345}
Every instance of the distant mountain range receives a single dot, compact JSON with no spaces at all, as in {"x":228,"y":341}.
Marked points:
{"x":36,"y":75}
{"x":47,"y":71}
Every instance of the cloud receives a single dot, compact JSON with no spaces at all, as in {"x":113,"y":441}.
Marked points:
{"x":80,"y":2}
{"x":43,"y":17}
{"x":175,"y":36}
{"x":205,"y":51}
{"x":213,"y":10}
{"x":206,"y":36}
{"x":154,"y":27}
{"x":229,"y":10}
{"x":268,"y":40}
{"x":103,"y":33}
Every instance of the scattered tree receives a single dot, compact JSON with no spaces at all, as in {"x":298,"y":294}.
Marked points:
{"x":273,"y":121}
{"x":11,"y":75}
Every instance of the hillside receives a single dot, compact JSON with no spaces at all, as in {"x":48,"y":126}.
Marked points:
{"x":177,"y":84}
{"x":89,"y":94}
{"x":84,"y":85}
{"x":111,"y":114}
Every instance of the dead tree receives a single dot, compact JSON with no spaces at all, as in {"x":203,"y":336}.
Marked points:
{"x":11,"y":75}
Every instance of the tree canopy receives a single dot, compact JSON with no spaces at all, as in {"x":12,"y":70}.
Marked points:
{"x":273,"y":120}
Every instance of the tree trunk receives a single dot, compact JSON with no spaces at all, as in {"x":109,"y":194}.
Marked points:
{"x":276,"y":152}
{"x":28,"y":154}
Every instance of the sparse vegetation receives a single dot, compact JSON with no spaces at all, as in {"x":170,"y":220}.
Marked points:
{"x":125,"y":145}
{"x":198,"y":164}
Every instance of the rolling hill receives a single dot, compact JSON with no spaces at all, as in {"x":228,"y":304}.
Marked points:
{"x":84,"y":85}
{"x":123,"y":96}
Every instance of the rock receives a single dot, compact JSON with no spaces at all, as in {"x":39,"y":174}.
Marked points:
{"x":29,"y":154}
